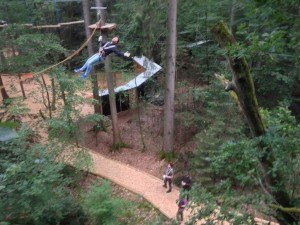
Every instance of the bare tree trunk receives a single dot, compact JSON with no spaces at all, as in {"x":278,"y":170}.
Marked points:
{"x":112,"y":102}
{"x":99,"y":4}
{"x":97,"y":107}
{"x":111,"y":91}
{"x":3,"y":91}
{"x":48,"y":106}
{"x":53,"y":104}
{"x":232,"y":16}
{"x":22,"y":86}
{"x":170,"y":79}
{"x":2,"y":60}
{"x":242,"y":84}
{"x":87,"y":22}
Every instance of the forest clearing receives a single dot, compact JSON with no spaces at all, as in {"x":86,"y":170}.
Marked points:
{"x":149,"y":112}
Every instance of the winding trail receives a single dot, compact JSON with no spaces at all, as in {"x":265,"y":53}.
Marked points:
{"x":143,"y":184}
{"x":137,"y":181}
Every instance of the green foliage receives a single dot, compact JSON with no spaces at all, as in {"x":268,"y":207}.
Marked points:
{"x":139,"y":21}
{"x":31,"y":49}
{"x":220,"y":123}
{"x":268,"y":32}
{"x":168,"y":156}
{"x":66,"y":125}
{"x":9,"y":124}
{"x":13,"y":109}
{"x":239,"y":178}
{"x":238,"y":162}
{"x":118,"y":146}
{"x":101,"y":206}
{"x":30,"y":11}
{"x":283,"y":133}
{"x":33,"y":190}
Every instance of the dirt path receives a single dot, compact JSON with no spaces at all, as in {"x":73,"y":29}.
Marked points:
{"x":145,"y":185}
{"x":137,"y":181}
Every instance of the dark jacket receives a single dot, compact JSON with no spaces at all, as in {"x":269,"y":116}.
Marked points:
{"x":188,"y":182}
{"x":108,"y":48}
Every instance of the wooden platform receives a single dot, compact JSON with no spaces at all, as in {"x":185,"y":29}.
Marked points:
{"x":107,"y":26}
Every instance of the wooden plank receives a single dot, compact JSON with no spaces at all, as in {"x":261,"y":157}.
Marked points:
{"x":46,"y":26}
{"x":107,"y":26}
{"x":98,"y":8}
{"x":71,"y":23}
{"x":67,"y":0}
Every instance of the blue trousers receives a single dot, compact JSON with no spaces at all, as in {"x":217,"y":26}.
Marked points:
{"x":87,"y":67}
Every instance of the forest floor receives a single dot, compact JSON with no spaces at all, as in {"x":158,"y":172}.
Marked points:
{"x":141,"y":129}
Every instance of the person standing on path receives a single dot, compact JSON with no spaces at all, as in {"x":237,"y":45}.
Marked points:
{"x":186,"y":182}
{"x":168,"y":177}
{"x":182,"y":203}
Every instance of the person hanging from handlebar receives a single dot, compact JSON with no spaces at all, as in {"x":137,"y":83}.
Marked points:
{"x":105,"y":49}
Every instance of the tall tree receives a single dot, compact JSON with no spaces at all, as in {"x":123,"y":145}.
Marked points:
{"x":272,"y":49}
{"x":111,"y":91}
{"x":86,"y":13}
{"x":87,"y":23}
{"x":3,"y":91}
{"x":233,"y":15}
{"x":242,"y":84}
{"x":170,"y":78}
{"x":112,"y":102}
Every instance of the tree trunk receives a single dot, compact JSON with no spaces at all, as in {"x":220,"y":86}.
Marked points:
{"x":232,"y":15}
{"x":170,"y":78}
{"x":242,"y":85}
{"x":112,"y":102}
{"x":99,"y":4}
{"x":111,"y":91}
{"x":87,"y":22}
{"x":53,"y":104}
{"x":97,"y":107}
{"x":22,"y":86}
{"x":48,"y":105}
{"x":3,"y":91}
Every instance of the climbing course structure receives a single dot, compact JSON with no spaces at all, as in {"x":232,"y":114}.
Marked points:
{"x":130,"y":90}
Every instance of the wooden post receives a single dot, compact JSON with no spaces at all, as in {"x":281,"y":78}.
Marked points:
{"x":22,"y":87}
{"x":3,"y":91}
{"x":110,"y":86}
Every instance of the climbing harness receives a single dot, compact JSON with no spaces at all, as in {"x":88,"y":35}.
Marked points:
{"x":101,"y":49}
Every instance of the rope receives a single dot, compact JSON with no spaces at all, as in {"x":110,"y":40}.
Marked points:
{"x":71,"y":56}
{"x":66,"y":59}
